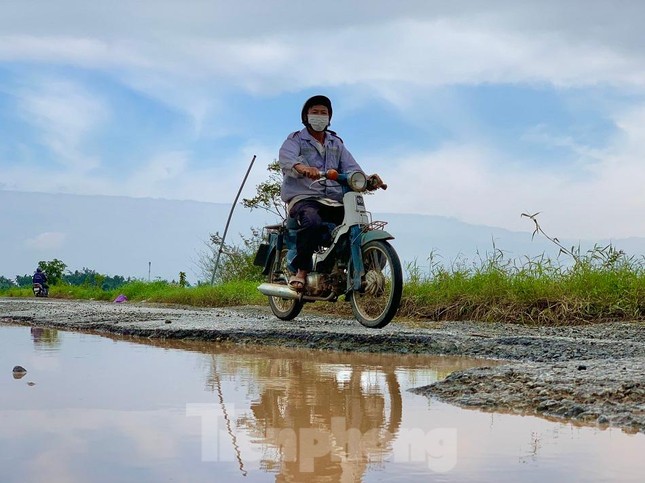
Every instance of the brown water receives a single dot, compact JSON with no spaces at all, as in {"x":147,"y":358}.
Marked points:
{"x":96,"y":409}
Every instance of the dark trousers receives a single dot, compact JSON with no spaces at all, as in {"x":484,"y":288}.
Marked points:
{"x":310,"y":216}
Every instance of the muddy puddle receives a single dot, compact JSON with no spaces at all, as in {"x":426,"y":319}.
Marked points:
{"x":99,"y":409}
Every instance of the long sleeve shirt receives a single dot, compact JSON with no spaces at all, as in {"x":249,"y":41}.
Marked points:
{"x":302,"y":147}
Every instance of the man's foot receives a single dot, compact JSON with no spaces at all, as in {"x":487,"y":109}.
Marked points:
{"x":297,"y":281}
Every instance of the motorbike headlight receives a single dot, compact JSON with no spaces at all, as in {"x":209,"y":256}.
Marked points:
{"x":357,"y":181}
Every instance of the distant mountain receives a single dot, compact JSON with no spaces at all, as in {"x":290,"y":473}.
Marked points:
{"x":121,"y":236}
{"x":112,"y":235}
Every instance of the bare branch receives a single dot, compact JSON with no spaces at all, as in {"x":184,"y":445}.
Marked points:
{"x":538,"y":229}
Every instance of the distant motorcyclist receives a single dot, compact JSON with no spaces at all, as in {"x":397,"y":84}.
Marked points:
{"x":40,"y":277}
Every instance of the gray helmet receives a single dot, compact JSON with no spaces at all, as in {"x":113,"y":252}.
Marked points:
{"x":318,"y":100}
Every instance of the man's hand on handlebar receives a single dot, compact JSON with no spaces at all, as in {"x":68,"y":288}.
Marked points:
{"x":374,"y":182}
{"x":307,"y":171}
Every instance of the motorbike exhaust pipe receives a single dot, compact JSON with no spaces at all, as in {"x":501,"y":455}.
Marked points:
{"x":277,"y":290}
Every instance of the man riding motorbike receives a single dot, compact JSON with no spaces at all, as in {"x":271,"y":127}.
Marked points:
{"x":303,"y":155}
{"x":41,"y":278}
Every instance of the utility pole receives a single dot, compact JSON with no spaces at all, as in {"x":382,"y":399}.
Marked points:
{"x":149,"y":265}
{"x":219,"y":252}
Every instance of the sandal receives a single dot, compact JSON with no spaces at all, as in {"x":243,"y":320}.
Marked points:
{"x":296,"y":283}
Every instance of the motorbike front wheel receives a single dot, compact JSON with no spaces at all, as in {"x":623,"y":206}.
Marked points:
{"x":285,"y":309}
{"x":375,"y":305}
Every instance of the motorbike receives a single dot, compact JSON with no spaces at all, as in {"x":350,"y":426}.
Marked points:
{"x":39,"y":290}
{"x":355,"y":260}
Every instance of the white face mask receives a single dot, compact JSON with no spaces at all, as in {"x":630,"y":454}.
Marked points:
{"x":318,"y":122}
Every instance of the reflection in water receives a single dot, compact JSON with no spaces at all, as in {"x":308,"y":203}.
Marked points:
{"x":313,"y":415}
{"x":45,"y":338}
{"x":327,"y":429}
{"x":326,"y":418}
{"x":128,"y":406}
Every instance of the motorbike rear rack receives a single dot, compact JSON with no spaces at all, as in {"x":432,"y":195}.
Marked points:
{"x":374,"y":225}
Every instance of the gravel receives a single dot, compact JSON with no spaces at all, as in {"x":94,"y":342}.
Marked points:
{"x":591,"y":374}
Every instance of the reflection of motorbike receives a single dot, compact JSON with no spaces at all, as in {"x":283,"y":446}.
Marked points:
{"x":354,"y":412}
{"x":45,"y":339}
{"x":40,"y":290}
{"x":356,"y":261}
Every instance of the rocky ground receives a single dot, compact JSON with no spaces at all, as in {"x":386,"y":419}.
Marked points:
{"x":593,"y":374}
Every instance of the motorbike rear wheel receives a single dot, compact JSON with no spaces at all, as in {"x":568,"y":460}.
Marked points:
{"x":376,"y":304}
{"x":285,"y":309}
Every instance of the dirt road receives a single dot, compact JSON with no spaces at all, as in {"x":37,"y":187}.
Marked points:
{"x":591,"y":374}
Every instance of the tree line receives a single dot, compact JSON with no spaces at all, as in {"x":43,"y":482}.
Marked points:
{"x":56,"y":275}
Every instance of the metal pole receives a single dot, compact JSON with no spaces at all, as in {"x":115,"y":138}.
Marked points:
{"x":219,"y":252}
{"x":220,"y":396}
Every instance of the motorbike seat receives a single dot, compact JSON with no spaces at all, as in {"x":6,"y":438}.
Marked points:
{"x":293,"y":227}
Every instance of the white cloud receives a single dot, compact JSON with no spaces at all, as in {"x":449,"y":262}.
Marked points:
{"x":50,"y":240}
{"x":65,"y":113}
{"x":168,"y":176}
{"x":424,"y":53}
{"x":190,"y":61}
{"x":139,"y":430}
{"x":602,"y":198}
{"x":158,"y":175}
{"x":192,"y":57}
{"x":429,"y":50}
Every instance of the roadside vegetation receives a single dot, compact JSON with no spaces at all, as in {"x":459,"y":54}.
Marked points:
{"x":240,"y":292}
{"x":601,"y":284}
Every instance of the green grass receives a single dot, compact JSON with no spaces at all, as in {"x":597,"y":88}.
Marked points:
{"x":602,"y":285}
{"x":229,"y":294}
{"x":599,"y":286}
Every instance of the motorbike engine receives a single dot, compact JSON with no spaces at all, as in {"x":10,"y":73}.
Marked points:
{"x":317,"y":284}
{"x":323,"y":284}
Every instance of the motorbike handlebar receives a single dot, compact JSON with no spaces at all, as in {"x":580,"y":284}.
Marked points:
{"x":334,"y":175}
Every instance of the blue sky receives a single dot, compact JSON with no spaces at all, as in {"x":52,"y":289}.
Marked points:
{"x":474,"y":110}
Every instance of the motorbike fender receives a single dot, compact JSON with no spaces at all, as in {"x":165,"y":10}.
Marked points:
{"x":357,"y":270}
{"x":375,"y":235}
{"x":266,"y":250}
{"x":270,"y":250}
{"x":262,"y":255}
